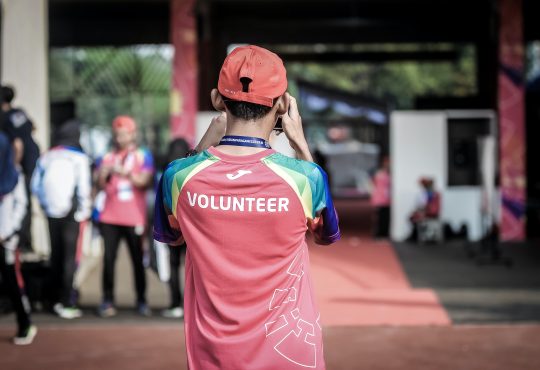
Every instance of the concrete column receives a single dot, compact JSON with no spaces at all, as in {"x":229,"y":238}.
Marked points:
{"x":184,"y":92}
{"x":512,"y":120}
{"x":25,"y":60}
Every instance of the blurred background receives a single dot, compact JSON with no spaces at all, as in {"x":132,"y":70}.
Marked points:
{"x":425,"y":115}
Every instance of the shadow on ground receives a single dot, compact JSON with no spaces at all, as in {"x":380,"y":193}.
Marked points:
{"x":473,"y":293}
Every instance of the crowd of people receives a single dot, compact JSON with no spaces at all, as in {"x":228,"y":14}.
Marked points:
{"x":226,"y":198}
{"x":73,"y":192}
{"x":109,"y":193}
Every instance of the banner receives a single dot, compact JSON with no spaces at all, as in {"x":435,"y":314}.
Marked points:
{"x":511,"y":103}
{"x":184,"y":93}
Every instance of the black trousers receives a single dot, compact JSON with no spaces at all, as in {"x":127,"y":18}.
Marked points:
{"x":382,"y":222}
{"x":25,"y":233}
{"x":112,"y":235}
{"x":176,"y":257}
{"x":18,"y":300}
{"x":64,"y":234}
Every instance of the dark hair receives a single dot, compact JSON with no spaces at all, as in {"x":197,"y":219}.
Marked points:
{"x":178,"y":148}
{"x":246,"y":111}
{"x":68,"y":133}
{"x":7,"y":93}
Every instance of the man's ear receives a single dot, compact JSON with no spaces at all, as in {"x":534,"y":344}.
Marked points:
{"x":217,"y":100}
{"x":282,"y":104}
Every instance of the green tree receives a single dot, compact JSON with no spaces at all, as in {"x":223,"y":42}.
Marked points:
{"x":400,"y":83}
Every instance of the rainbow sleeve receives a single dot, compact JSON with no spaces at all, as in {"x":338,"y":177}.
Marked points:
{"x":325,"y":223}
{"x":310,"y":183}
{"x":166,"y":226}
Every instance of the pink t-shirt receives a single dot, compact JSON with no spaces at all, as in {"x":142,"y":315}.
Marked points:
{"x":249,"y":301}
{"x":125,"y":204}
{"x":380,"y":196}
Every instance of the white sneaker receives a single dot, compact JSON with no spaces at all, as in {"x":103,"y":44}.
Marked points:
{"x":173,"y":313}
{"x":67,"y":313}
{"x":24,"y":339}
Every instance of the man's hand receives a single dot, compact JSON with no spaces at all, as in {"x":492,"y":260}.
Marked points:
{"x":105,"y":170}
{"x":119,"y":170}
{"x":214,"y":133}
{"x":292,"y":127}
{"x":103,"y":175}
{"x":141,"y":179}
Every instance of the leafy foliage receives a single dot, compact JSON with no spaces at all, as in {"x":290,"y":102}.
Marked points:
{"x":399,"y":83}
{"x":105,"y":82}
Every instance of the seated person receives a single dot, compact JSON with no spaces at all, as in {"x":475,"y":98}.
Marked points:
{"x":428,"y":206}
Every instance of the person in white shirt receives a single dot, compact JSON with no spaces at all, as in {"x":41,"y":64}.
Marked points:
{"x":62,"y":183}
{"x":13,"y":203}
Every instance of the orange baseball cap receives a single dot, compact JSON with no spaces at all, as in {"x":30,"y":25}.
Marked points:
{"x":252,"y":74}
{"x":125,"y":122}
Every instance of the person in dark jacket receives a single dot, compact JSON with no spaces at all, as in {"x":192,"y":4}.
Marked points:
{"x":18,"y":128}
{"x":13,"y":202}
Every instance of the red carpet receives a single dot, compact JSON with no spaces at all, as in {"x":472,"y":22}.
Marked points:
{"x":360,"y":281}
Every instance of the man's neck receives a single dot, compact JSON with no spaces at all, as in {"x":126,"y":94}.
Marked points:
{"x":246,"y":128}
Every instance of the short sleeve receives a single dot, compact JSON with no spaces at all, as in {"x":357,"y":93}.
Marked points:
{"x":147,"y":161}
{"x":166,"y":227}
{"x":325,"y":224}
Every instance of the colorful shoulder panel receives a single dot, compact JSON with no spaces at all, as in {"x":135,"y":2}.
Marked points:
{"x":310,"y":183}
{"x":166,"y":227}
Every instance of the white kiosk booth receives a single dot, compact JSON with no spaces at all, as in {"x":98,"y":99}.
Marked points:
{"x":448,"y":146}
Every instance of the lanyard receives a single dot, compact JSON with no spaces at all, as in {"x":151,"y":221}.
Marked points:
{"x":256,"y":142}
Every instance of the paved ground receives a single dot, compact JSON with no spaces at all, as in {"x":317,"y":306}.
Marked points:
{"x":159,"y":346}
{"x":359,"y":281}
{"x":473,"y":293}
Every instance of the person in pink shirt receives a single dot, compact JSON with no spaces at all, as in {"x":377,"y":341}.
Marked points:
{"x":380,"y":199}
{"x":243,"y":210}
{"x":125,"y":173}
